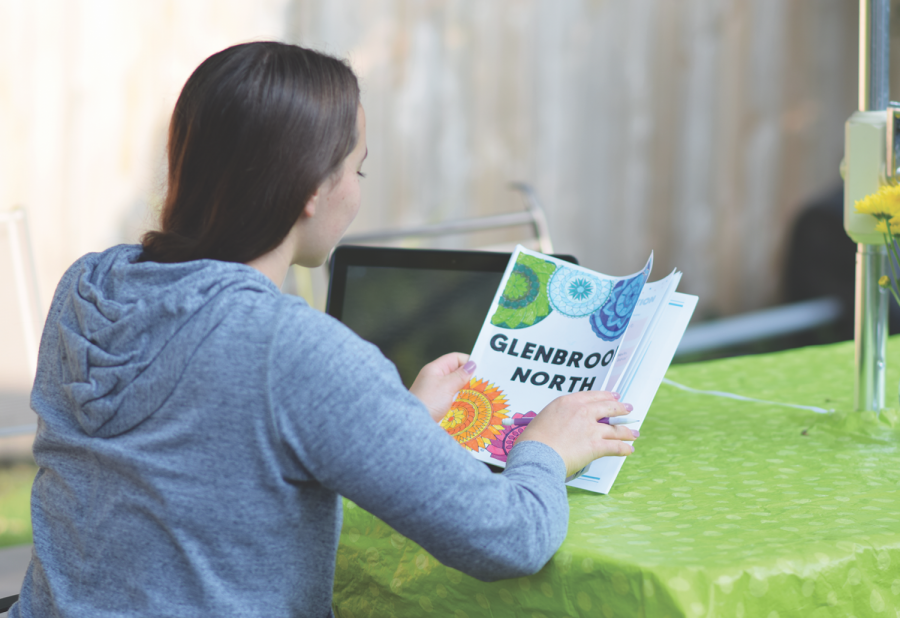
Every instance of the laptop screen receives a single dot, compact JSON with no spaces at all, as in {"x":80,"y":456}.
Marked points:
{"x":414,"y":304}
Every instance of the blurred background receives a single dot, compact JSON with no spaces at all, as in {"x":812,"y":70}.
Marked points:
{"x":698,"y":129}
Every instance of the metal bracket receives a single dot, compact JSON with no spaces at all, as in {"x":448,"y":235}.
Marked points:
{"x":892,"y":145}
{"x":533,"y":216}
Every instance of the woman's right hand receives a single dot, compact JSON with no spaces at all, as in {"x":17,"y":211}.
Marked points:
{"x":569,"y":425}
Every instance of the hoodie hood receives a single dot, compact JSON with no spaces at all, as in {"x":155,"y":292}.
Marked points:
{"x":127,"y":330}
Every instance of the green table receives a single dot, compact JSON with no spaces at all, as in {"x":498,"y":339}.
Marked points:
{"x":727,"y":508}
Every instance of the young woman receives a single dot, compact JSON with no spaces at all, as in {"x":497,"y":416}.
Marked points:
{"x":197,"y":427}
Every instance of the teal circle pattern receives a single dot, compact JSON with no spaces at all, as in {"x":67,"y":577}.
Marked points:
{"x":577,"y":294}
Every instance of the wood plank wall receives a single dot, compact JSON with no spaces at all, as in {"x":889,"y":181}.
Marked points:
{"x":694,"y":128}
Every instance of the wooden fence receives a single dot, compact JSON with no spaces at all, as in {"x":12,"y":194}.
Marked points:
{"x":693,"y":128}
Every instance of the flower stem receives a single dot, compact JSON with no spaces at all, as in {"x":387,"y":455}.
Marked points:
{"x":894,"y":258}
{"x":891,"y":244}
{"x":894,"y":249}
{"x":894,"y":294}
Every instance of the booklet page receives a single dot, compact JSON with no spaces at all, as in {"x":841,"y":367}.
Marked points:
{"x":643,"y":321}
{"x":649,"y":370}
{"x":553,"y":328}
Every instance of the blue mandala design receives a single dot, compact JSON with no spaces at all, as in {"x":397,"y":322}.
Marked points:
{"x":576,"y":294}
{"x":610,"y":321}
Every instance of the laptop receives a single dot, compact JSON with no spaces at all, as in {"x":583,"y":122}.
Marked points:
{"x":414,"y":304}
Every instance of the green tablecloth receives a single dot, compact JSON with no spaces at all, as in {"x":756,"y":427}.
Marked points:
{"x":727,"y":508}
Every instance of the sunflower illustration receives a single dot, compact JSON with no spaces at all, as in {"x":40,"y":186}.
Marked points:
{"x":476,"y":417}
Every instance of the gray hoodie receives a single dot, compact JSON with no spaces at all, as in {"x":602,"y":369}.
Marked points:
{"x":197,"y":429}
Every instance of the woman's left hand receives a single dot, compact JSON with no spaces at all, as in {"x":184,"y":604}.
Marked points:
{"x":439,"y":381}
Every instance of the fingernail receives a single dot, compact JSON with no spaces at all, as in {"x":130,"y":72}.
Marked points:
{"x":628,"y":406}
{"x":615,"y":395}
{"x":632,"y":448}
{"x":469,"y":367}
{"x":637,"y":434}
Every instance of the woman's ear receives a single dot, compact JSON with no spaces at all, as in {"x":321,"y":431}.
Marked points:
{"x":311,"y":205}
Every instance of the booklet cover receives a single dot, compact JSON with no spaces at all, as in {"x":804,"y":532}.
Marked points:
{"x":555,"y":328}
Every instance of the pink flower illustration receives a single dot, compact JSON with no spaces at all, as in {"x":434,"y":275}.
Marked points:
{"x":501,"y":445}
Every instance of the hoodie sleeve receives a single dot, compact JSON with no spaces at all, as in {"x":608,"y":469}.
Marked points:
{"x":347,"y":421}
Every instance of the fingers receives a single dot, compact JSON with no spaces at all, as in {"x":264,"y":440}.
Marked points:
{"x":463,"y":374}
{"x":569,"y":425}
{"x":613,"y":441}
{"x":618,"y":432}
{"x":448,"y":363}
{"x":454,"y":369}
{"x":601,"y":404}
{"x":600,"y":408}
{"x":588,"y":397}
{"x":593,"y":405}
{"x":610,"y":409}
{"x":614,"y":448}
{"x":440,"y":380}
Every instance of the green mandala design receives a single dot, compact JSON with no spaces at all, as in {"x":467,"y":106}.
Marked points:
{"x":521,"y":289}
{"x":524,"y":301}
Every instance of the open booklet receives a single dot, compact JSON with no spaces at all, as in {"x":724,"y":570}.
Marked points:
{"x":556,"y":328}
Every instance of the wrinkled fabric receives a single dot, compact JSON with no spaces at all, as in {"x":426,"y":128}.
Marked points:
{"x":727,"y":508}
{"x":197,"y":429}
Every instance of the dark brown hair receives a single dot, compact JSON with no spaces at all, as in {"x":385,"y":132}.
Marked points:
{"x":256,"y":130}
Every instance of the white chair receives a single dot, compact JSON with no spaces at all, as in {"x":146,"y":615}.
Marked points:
{"x":15,"y":223}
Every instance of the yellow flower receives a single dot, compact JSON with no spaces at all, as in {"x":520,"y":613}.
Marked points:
{"x":884,"y":281}
{"x":881,"y":226}
{"x":883,"y":203}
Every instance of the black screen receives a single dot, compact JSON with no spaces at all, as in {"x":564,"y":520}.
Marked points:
{"x":415,"y":316}
{"x":415,"y":305}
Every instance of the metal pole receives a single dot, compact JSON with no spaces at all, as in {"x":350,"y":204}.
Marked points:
{"x":871,"y":311}
{"x":870,"y":327}
{"x":874,"y":54}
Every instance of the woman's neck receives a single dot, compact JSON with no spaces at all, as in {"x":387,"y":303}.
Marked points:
{"x":275,"y":263}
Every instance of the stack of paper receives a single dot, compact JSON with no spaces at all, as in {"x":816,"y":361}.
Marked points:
{"x":556,"y":328}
